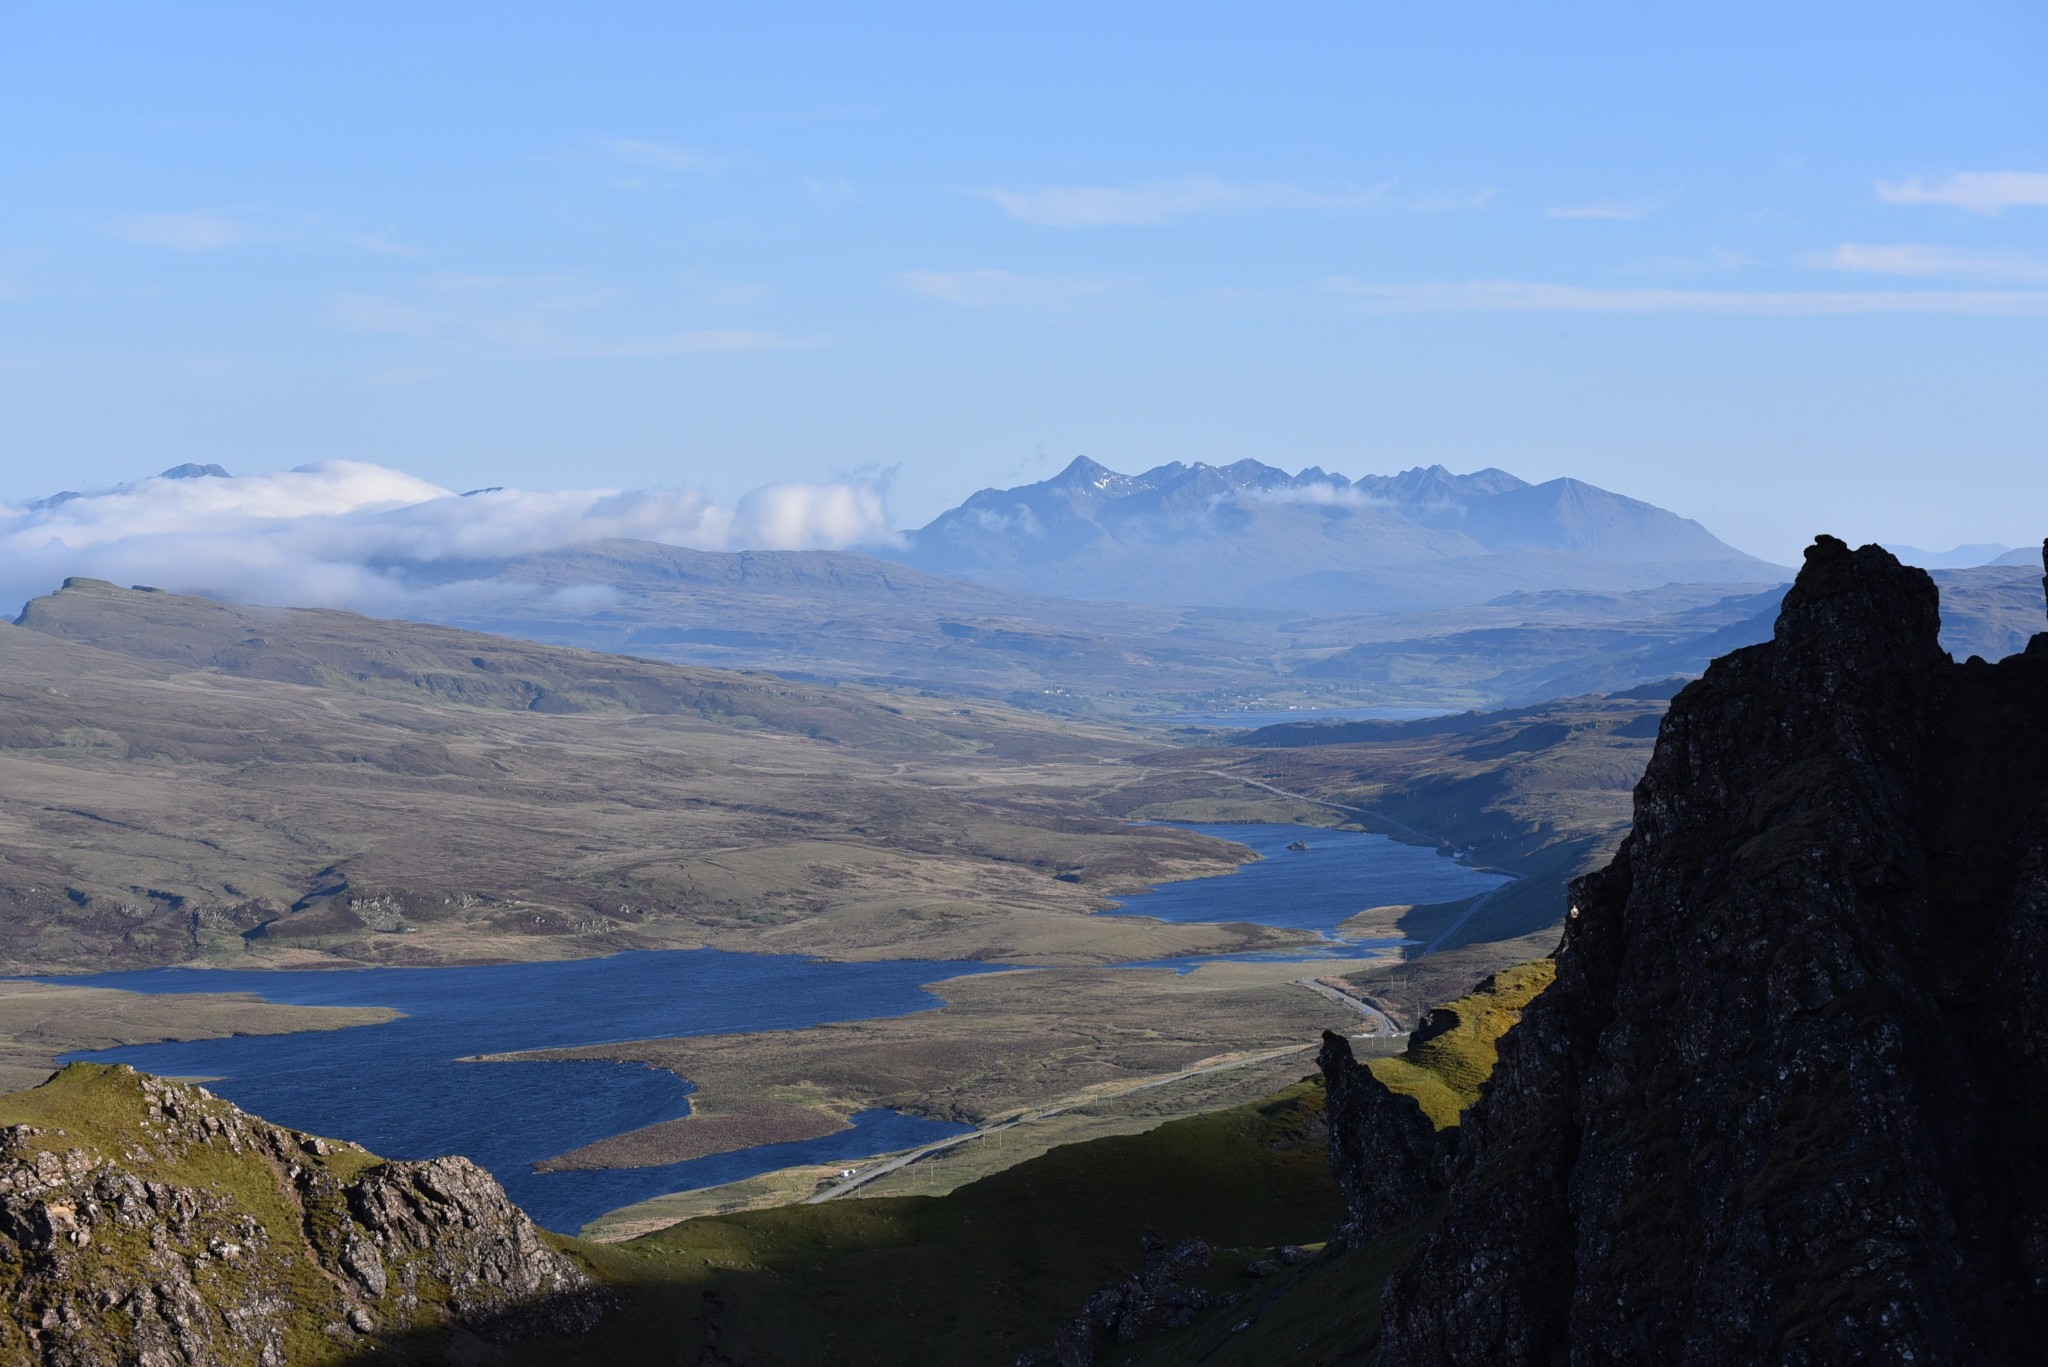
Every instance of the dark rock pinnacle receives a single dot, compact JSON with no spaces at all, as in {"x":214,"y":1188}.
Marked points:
{"x":1787,"y":1100}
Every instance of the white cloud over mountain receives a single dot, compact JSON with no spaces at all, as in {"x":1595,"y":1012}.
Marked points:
{"x":361,"y":536}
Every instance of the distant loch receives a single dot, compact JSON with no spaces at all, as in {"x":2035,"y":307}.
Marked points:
{"x":401,"y":1088}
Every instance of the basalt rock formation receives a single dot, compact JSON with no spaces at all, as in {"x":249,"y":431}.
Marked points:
{"x":146,"y":1221}
{"x":1787,"y":1100}
{"x":1387,"y":1157}
{"x":1157,"y":1299}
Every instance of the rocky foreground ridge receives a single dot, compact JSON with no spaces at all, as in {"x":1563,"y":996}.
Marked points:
{"x":1787,"y":1100}
{"x":148,"y":1222}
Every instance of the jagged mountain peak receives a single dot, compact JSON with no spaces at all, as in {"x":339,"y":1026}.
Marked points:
{"x":1250,"y":533}
{"x":1082,"y":472}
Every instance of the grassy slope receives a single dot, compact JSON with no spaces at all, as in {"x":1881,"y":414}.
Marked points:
{"x":1326,"y":1314}
{"x":974,"y":1277}
{"x":39,"y":1021}
{"x":992,"y":1269}
{"x":212,"y":783}
{"x":1448,"y":1060}
{"x":102,"y":1109}
{"x":977,"y":1276}
{"x":1322,"y":1314}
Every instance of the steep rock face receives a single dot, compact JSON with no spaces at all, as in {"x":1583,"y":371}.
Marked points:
{"x":1156,"y":1300}
{"x":1787,"y":1100}
{"x":1393,"y":1122}
{"x":150,"y":1222}
{"x":1387,"y":1157}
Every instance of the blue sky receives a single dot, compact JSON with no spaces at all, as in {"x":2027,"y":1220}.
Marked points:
{"x":1782,"y":268}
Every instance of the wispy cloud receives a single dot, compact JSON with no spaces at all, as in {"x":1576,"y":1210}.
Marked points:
{"x":1628,"y":209}
{"x":1715,"y":260}
{"x":693,"y":342}
{"x":1522,"y":296}
{"x":191,"y":232}
{"x":372,"y":313}
{"x":545,"y":317}
{"x":212,"y":230}
{"x":1912,"y":258}
{"x":381,"y":244}
{"x":832,"y":191}
{"x":1157,"y":202}
{"x":1005,"y":289}
{"x":1980,"y":192}
{"x":1323,"y":495}
{"x":663,"y":156}
{"x":353,"y":535}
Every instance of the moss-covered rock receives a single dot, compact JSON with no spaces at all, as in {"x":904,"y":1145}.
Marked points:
{"x":148,"y":1221}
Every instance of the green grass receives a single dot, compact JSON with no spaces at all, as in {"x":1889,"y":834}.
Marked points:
{"x":977,"y":1276}
{"x":104,"y":1109}
{"x":1327,"y":1312}
{"x":1443,"y":1071}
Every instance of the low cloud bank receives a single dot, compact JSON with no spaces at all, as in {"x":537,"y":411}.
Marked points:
{"x":1323,"y":494}
{"x":353,"y":535}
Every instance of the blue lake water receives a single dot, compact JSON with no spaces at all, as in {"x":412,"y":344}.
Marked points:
{"x":1253,"y":720}
{"x":1340,"y":874}
{"x":401,"y":1089}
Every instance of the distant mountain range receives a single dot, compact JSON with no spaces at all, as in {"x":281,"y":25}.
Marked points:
{"x":1188,"y":589}
{"x":1251,"y":534}
{"x":1959,"y":558}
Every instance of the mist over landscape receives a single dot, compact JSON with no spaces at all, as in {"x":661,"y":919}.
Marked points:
{"x":1362,"y":686}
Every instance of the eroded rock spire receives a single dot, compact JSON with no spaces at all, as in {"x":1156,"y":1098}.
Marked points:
{"x":1784,"y":1099}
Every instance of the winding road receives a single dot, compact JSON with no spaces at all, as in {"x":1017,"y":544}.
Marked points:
{"x":1382,"y":1024}
{"x":904,"y":1160}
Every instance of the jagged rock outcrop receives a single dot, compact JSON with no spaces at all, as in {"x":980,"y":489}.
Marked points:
{"x":1155,"y":1300}
{"x":1387,"y":1156}
{"x":1787,"y":1100}
{"x":149,"y":1222}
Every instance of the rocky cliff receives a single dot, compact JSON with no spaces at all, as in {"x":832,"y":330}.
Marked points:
{"x":145,"y":1221}
{"x":1393,"y":1121}
{"x":1787,"y":1100}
